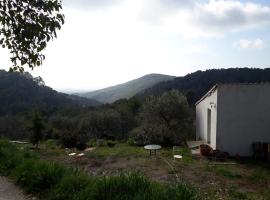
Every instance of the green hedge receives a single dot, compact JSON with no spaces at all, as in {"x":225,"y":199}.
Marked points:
{"x":52,"y":181}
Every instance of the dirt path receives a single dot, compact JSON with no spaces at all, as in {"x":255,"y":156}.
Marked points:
{"x":8,"y":191}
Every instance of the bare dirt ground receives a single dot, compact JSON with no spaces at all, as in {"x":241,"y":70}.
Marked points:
{"x":8,"y":191}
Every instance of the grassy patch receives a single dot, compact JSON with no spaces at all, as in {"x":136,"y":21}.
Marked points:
{"x":224,"y":171}
{"x":259,"y":175}
{"x":52,"y":181}
{"x":119,"y":150}
{"x":183,"y":151}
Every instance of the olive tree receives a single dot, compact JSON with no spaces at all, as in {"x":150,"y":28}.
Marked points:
{"x":165,"y":119}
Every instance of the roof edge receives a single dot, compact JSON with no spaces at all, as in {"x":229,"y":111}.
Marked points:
{"x":207,"y":94}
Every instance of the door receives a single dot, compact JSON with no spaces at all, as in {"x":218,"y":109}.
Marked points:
{"x":209,"y":126}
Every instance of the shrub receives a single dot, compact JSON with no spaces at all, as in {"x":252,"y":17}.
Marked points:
{"x":68,"y":139}
{"x":50,"y":144}
{"x":101,"y":143}
{"x":111,"y":143}
{"x":9,"y":157}
{"x":37,"y":176}
{"x":92,"y":143}
{"x":69,"y":187}
{"x":131,"y":142}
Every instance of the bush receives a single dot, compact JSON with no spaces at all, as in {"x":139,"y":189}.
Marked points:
{"x":68,"y":139}
{"x":131,"y":142}
{"x":101,"y":143}
{"x":37,"y":176}
{"x":69,"y":187}
{"x":81,"y":142}
{"x":92,"y":143}
{"x":111,"y":143}
{"x":50,"y":144}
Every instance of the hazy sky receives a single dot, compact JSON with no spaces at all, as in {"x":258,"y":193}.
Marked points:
{"x":106,"y":42}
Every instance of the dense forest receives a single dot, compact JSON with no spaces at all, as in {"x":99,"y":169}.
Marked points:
{"x":195,"y":85}
{"x":20,"y":92}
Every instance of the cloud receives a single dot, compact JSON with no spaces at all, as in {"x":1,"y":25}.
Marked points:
{"x":249,"y":44}
{"x":230,"y":15}
{"x":208,"y":19}
{"x":154,"y":11}
{"x":90,"y":4}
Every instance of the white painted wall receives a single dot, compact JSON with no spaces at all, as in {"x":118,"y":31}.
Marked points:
{"x":201,"y":118}
{"x":243,"y":117}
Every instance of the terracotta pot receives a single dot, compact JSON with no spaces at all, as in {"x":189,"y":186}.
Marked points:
{"x":205,"y":150}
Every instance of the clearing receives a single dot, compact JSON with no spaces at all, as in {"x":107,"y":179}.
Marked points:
{"x":246,"y":179}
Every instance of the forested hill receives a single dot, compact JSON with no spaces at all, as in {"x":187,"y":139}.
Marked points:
{"x":20,"y":93}
{"x":126,"y":90}
{"x":196,"y":84}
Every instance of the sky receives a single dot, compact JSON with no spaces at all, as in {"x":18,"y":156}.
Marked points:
{"x":107,"y":42}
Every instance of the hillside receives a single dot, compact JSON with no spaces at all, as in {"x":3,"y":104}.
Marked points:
{"x":195,"y":85}
{"x":21,"y":93}
{"x":126,"y":90}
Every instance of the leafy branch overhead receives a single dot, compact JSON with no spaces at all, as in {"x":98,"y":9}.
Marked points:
{"x":26,"y":26}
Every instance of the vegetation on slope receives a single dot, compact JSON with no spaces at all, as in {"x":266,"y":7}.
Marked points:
{"x":195,"y":85}
{"x":21,"y":93}
{"x":126,"y":90}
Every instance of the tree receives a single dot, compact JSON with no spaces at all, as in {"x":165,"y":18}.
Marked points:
{"x":104,"y":123}
{"x":128,"y":109}
{"x":36,"y":129}
{"x":165,"y":119}
{"x":26,"y":26}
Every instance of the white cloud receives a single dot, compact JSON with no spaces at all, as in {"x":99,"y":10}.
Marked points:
{"x":249,"y":44}
{"x":212,"y":18}
{"x":189,"y":18}
{"x":230,"y":15}
{"x":90,"y":4}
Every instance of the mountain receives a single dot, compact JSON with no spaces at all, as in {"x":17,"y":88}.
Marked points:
{"x":196,"y":84}
{"x":21,"y":93}
{"x":126,"y":90}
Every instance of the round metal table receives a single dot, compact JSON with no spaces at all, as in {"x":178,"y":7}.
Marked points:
{"x":152,"y":148}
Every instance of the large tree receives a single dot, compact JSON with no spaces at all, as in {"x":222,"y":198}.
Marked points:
{"x":26,"y":26}
{"x":165,"y":119}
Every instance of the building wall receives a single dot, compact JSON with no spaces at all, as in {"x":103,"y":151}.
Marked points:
{"x":201,"y":118}
{"x":243,"y":117}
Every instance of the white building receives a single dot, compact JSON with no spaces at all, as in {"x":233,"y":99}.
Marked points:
{"x":230,"y":117}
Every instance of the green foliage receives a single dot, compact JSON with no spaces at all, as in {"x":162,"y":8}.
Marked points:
{"x":9,"y":157}
{"x":111,"y":143}
{"x":259,"y":175}
{"x":50,"y":144}
{"x":165,"y":119}
{"x":36,"y":127}
{"x":104,"y":123}
{"x":70,"y":186}
{"x":53,"y":181}
{"x":131,"y":142}
{"x":127,"y":90}
{"x":195,"y":85}
{"x":26,"y":26}
{"x":37,"y":176}
{"x":92,"y":143}
{"x":21,"y":94}
{"x":224,"y":171}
